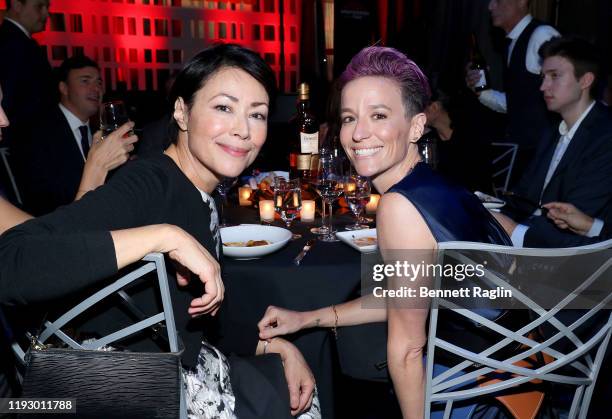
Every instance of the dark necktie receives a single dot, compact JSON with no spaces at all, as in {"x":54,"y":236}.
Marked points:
{"x":84,"y":139}
{"x":507,"y":42}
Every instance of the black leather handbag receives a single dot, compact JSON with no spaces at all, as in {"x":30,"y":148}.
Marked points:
{"x":106,"y":384}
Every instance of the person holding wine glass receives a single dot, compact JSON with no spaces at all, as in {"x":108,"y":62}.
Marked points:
{"x":383,"y":98}
{"x":61,"y":157}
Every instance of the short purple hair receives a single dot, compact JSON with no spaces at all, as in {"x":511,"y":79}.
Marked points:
{"x":392,"y":64}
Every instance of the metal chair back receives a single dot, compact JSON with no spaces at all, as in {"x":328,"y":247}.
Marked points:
{"x":575,"y":364}
{"x":502,"y":165}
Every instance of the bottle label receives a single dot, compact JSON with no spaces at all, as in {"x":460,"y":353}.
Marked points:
{"x":303,"y":162}
{"x":309,"y":143}
{"x":482,"y":81}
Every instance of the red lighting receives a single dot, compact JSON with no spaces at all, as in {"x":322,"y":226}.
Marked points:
{"x":150,"y":39}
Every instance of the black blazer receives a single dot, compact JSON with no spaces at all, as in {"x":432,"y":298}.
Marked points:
{"x":48,"y":163}
{"x":583,"y":178}
{"x":26,"y":76}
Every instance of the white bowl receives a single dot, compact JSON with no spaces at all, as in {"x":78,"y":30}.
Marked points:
{"x":352,"y":239}
{"x":277,"y":237}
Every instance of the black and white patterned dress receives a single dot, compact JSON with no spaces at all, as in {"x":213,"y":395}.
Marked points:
{"x":208,"y":389}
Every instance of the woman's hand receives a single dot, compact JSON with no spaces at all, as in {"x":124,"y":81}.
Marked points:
{"x":567,"y":216}
{"x":104,"y":156}
{"x":133,"y":244}
{"x":114,"y":150}
{"x":191,"y":255}
{"x":299,"y":378}
{"x":278,"y":322}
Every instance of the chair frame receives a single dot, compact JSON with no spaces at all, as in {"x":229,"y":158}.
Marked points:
{"x":511,"y":151}
{"x":445,"y":386}
{"x":4,"y":153}
{"x":154,"y":262}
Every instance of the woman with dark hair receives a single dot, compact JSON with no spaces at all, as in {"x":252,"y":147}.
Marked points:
{"x":221,"y":102}
{"x":384,"y":95}
{"x":463,"y":155}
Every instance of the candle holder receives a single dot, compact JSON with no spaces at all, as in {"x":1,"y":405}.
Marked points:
{"x":266,"y":210}
{"x":307,"y":213}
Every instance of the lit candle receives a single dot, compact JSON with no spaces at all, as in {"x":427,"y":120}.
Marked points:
{"x":307,"y":213}
{"x":244,"y":195}
{"x":266,"y":210}
{"x":350,"y":187}
{"x":373,"y":204}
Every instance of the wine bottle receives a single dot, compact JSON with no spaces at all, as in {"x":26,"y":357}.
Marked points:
{"x":479,"y":64}
{"x":304,"y":146}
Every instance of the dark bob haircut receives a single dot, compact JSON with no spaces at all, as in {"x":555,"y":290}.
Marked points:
{"x":207,"y":62}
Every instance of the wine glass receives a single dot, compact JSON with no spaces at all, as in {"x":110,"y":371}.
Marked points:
{"x":328,"y":184}
{"x":357,"y":193}
{"x":287,"y":199}
{"x":322,"y":229}
{"x":112,"y":115}
{"x":223,"y":188}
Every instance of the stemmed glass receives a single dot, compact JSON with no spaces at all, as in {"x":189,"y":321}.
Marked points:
{"x":112,"y":116}
{"x":288,"y":200}
{"x":328,"y":184}
{"x":322,"y":229}
{"x":223,"y":188}
{"x":357,"y":193}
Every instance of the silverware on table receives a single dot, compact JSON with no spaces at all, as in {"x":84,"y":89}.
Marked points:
{"x":307,"y":247}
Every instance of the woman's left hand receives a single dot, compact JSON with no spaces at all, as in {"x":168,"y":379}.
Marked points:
{"x":189,"y":253}
{"x":299,"y":378}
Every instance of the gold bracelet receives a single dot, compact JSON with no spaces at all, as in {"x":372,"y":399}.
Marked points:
{"x":335,"y":328}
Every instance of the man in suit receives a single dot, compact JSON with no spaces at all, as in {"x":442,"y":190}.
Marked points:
{"x":58,"y":160}
{"x":573,"y":165}
{"x":528,"y":119}
{"x":25,"y":72}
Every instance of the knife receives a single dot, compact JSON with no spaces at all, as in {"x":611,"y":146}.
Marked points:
{"x":307,"y":247}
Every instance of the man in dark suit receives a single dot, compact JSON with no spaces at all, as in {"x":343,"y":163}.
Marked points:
{"x":58,"y":160}
{"x":529,"y":122}
{"x":574,"y":165}
{"x":25,"y":74}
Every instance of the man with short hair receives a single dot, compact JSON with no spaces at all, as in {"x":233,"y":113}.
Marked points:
{"x":574,"y":165}
{"x":51,"y":161}
{"x":25,"y":73}
{"x":528,"y":119}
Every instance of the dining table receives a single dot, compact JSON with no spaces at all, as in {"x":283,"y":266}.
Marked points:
{"x":328,"y":274}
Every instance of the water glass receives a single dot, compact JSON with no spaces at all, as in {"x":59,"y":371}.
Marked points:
{"x":357,"y":194}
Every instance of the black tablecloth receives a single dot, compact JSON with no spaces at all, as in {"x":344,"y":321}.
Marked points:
{"x":329,"y":274}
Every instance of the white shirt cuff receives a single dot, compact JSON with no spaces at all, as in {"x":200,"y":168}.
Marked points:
{"x":518,"y":235}
{"x":595,"y":228}
{"x":493,"y":100}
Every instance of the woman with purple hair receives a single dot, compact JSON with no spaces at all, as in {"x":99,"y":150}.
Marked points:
{"x":384,"y":95}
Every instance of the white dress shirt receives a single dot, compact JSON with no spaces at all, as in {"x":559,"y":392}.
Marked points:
{"x":518,"y":235}
{"x":75,"y":123}
{"x":495,"y":99}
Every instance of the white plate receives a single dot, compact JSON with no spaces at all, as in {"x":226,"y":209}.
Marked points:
{"x":349,"y":237}
{"x":489,"y":201}
{"x":277,"y":237}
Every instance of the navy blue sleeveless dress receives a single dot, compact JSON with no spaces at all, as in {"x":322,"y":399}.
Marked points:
{"x":451,"y":212}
